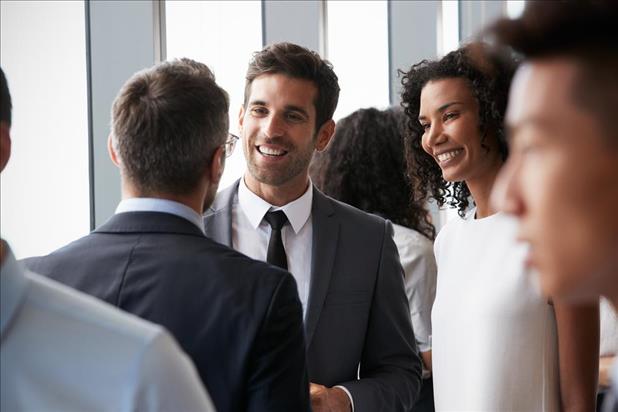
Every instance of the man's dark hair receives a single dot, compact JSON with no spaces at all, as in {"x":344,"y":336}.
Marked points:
{"x":167,"y":122}
{"x":298,"y":62}
{"x":489,"y":76}
{"x":584,"y":31}
{"x":5,"y":100}
{"x":365,"y":167}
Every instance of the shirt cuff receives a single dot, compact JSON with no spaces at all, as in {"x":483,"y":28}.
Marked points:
{"x":347,"y":392}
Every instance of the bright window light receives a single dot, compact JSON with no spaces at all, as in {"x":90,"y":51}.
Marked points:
{"x":45,"y":186}
{"x":223,"y":35}
{"x":515,"y":8}
{"x":357,"y":38}
{"x":448,"y":36}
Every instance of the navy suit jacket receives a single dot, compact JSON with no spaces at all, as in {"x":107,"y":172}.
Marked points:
{"x":238,"y":319}
{"x":357,"y":314}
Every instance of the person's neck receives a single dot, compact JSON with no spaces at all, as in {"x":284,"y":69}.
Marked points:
{"x":278,"y":195}
{"x":193,"y":200}
{"x":480,"y":189}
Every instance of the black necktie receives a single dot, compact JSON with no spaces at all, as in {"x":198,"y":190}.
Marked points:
{"x":276,"y":252}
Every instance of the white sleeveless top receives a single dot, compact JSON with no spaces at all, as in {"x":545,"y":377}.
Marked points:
{"x":494,"y":336}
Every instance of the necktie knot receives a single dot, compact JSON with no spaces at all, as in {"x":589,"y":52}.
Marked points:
{"x":276,"y":220}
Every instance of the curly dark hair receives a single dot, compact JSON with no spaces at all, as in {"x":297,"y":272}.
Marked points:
{"x":365,"y":167}
{"x":489,"y":74}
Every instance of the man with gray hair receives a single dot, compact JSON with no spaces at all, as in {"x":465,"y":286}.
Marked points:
{"x":238,"y":319}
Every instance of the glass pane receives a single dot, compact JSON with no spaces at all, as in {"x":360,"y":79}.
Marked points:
{"x":223,"y":35}
{"x":449,"y":27}
{"x":358,"y":48}
{"x":45,"y":186}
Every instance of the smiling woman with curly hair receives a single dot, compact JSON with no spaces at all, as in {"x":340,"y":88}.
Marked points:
{"x":490,"y":90}
{"x":497,"y":344}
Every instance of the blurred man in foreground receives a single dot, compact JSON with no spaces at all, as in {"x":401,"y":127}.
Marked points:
{"x":561,"y":178}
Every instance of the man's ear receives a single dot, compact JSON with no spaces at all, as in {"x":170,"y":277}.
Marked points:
{"x":241,"y":117}
{"x":325,"y":133}
{"x":5,"y":144}
{"x":217,"y":166}
{"x":112,"y":153}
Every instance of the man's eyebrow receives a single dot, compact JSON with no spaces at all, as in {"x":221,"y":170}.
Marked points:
{"x":289,"y":107}
{"x":442,"y":108}
{"x":532,"y":121}
{"x":294,"y":108}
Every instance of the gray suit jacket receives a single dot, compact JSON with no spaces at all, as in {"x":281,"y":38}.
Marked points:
{"x":357,"y":312}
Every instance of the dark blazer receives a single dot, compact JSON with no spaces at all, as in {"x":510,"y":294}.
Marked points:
{"x":357,"y":311}
{"x":239,"y":320}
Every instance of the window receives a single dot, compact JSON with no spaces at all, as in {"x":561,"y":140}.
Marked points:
{"x":223,"y":35}
{"x":448,"y":27}
{"x":357,"y":46}
{"x":45,"y":186}
{"x":515,"y":8}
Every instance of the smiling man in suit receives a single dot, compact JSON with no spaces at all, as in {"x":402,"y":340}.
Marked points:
{"x":360,"y":343}
{"x":240,"y":320}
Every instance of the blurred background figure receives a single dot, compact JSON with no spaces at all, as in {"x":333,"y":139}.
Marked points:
{"x":497,"y":343}
{"x":364,"y":166}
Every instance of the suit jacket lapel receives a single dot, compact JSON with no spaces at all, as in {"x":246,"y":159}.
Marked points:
{"x":325,"y":239}
{"x":218,"y":218}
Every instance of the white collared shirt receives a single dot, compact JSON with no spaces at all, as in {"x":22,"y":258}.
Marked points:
{"x":150,"y":204}
{"x":251,"y":233}
{"x":63,"y":350}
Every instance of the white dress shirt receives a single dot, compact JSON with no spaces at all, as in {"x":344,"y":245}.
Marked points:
{"x":150,"y":204}
{"x":419,"y":267}
{"x":251,"y":233}
{"x":63,"y":350}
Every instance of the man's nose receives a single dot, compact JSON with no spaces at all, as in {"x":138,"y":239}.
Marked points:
{"x":506,"y":195}
{"x":273,"y":126}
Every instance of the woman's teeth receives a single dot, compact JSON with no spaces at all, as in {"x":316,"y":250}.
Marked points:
{"x":445,"y":157}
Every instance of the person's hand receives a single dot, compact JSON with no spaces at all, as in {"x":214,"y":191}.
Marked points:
{"x":325,"y":399}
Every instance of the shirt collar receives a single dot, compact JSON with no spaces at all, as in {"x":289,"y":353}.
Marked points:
{"x":149,"y":204}
{"x":254,"y":207}
{"x":13,"y":287}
